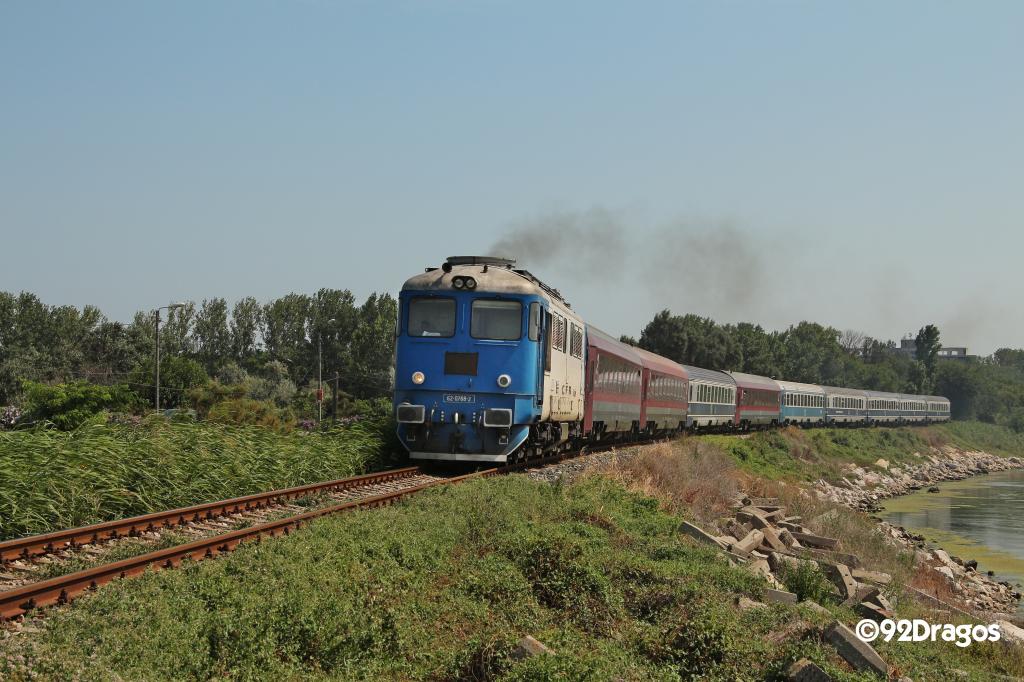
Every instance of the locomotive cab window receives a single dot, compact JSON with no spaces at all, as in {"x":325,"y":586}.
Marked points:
{"x":496,"y":320}
{"x":535,"y":317}
{"x":432,"y":317}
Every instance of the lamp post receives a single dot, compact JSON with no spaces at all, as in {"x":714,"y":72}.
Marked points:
{"x":156,"y":313}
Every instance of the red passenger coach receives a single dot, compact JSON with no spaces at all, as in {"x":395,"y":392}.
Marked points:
{"x":614,"y":388}
{"x":757,"y":400}
{"x":665,"y":392}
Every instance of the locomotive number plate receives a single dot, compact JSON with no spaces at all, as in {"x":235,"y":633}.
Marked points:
{"x":459,"y":398}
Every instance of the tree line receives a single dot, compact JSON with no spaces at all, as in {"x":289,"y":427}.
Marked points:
{"x":271,"y":348}
{"x":268,"y":352}
{"x":990,"y":389}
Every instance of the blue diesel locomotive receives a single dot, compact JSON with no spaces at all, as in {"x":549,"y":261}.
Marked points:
{"x":488,"y":358}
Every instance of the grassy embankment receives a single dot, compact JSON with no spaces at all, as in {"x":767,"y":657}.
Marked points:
{"x":442,"y":586}
{"x":53,"y":479}
{"x":807,"y":455}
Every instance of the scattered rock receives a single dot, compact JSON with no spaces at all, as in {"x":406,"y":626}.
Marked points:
{"x":745,"y":603}
{"x":934,"y":489}
{"x":700,"y":535}
{"x":806,"y":671}
{"x":779,"y":596}
{"x":860,"y":655}
{"x":839,"y":575}
{"x":871,"y":576}
{"x":528,"y":647}
{"x":882,"y":464}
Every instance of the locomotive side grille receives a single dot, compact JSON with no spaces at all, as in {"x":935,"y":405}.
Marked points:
{"x":460,"y":363}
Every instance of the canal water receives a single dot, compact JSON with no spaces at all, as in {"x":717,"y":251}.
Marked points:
{"x":978,"y":518}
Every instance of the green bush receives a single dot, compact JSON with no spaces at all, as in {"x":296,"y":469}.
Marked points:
{"x":807,"y":581}
{"x":68,"y":406}
{"x":250,"y":412}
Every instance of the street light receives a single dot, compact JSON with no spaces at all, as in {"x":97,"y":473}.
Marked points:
{"x":156,"y":313}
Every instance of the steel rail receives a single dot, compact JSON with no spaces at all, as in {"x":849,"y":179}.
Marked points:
{"x":62,"y":589}
{"x":48,"y":543}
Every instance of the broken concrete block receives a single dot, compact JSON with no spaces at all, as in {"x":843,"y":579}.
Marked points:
{"x":840,"y":576}
{"x":787,"y":538}
{"x":850,"y":560}
{"x":860,"y":655}
{"x":875,"y":577}
{"x":780,"y":562}
{"x":749,"y":542}
{"x":528,"y":647}
{"x":873,"y":611}
{"x":805,"y":671}
{"x":772,"y":541}
{"x":746,"y":603}
{"x":818,"y":541}
{"x":754,"y":516}
{"x":1010,"y":633}
{"x":779,"y":596}
{"x":816,"y":607}
{"x":699,"y":535}
{"x":866,"y":593}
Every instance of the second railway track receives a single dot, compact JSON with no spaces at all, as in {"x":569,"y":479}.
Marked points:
{"x":360,"y":492}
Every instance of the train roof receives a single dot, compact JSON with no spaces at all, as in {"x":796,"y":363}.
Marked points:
{"x":883,"y":394}
{"x":839,"y":390}
{"x":744,"y":380}
{"x":660,"y":364}
{"x":708,"y":375}
{"x":607,"y":344}
{"x":492,"y":275}
{"x":795,"y":386}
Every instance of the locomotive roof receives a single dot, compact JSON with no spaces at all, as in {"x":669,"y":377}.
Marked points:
{"x":744,"y":380}
{"x":606,"y":344}
{"x":492,"y":275}
{"x":660,"y":364}
{"x":701,"y":374}
{"x":796,"y":386}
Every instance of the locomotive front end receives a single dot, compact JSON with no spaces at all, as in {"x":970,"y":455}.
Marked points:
{"x":468,"y":361}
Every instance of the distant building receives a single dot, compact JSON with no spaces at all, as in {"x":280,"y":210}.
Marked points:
{"x":908,"y":347}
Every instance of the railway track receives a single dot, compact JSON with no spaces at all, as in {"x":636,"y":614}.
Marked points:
{"x":360,"y":492}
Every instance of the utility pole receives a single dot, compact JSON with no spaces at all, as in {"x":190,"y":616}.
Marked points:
{"x":320,"y":375}
{"x":335,"y":416}
{"x":156,"y":313}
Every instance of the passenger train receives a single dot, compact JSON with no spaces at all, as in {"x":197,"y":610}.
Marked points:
{"x":492,"y":365}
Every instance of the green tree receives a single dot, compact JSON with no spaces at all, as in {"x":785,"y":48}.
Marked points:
{"x":246,"y":322}
{"x":927,"y":348}
{"x":212,"y":334}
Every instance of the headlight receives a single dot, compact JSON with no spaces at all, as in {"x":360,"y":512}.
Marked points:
{"x":470,"y":283}
{"x":504,"y":380}
{"x":418,"y":378}
{"x":458,"y":282}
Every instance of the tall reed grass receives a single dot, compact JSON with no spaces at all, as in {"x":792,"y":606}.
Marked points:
{"x":53,"y":479}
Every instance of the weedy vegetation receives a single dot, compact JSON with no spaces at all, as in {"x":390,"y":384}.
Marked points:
{"x":442,"y":586}
{"x":51,"y":479}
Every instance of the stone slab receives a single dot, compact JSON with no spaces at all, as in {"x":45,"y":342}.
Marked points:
{"x":860,"y":655}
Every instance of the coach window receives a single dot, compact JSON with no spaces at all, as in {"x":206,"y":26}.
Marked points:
{"x":432,"y":317}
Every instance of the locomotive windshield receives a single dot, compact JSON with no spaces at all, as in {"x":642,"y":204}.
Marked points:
{"x":432,"y":317}
{"x":497,"y":320}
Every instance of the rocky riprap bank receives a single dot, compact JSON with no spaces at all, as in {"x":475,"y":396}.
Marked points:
{"x":862,"y":489}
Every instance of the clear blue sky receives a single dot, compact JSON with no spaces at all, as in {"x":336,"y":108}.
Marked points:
{"x":151,"y":152}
